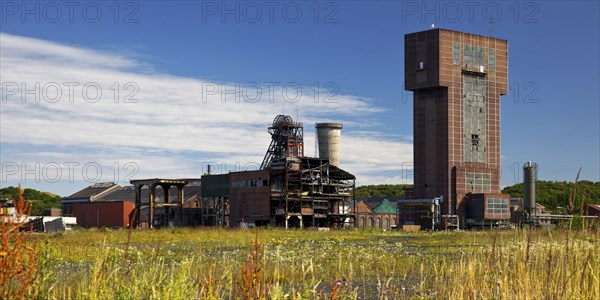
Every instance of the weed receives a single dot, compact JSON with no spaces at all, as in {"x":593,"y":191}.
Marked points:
{"x":18,"y":260}
{"x":254,"y":281}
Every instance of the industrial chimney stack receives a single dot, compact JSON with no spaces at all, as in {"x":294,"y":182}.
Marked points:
{"x":328,"y":139}
{"x":529,"y":181}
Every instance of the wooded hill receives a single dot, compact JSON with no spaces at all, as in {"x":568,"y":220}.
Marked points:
{"x":554,"y":195}
{"x":381,"y":190}
{"x":40,"y":201}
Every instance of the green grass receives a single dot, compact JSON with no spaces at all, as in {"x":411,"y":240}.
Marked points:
{"x":185,"y":263}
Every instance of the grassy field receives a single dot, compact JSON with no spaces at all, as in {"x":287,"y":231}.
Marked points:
{"x":184,"y":263}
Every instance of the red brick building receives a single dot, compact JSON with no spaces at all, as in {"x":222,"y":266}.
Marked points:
{"x":250,"y":198}
{"x":457,"y":79}
{"x":103,"y":213}
{"x":376,"y":213}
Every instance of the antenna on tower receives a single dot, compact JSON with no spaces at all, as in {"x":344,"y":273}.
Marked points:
{"x":491,"y":28}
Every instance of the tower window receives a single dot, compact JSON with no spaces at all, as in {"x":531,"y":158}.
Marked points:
{"x":492,"y":59}
{"x":456,"y":54}
{"x":478,"y":181}
{"x":474,"y":57}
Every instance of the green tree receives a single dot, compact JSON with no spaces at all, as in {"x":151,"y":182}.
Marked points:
{"x":39,"y":200}
{"x":554,"y":195}
{"x":381,"y":190}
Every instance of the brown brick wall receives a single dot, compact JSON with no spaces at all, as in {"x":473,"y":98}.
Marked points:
{"x":103,"y":214}
{"x":250,"y":197}
{"x":439,"y":161}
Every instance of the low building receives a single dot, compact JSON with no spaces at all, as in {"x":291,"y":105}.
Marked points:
{"x":103,"y":213}
{"x":519,"y":214}
{"x":250,"y":198}
{"x":292,"y":192}
{"x":91,"y":193}
{"x":192,"y":209}
{"x":110,"y":205}
{"x":487,"y":209}
{"x":592,"y":210}
{"x":420,"y":213}
{"x":377,"y":213}
{"x":53,"y":212}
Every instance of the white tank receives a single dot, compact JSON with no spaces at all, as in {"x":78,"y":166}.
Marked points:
{"x":328,"y":138}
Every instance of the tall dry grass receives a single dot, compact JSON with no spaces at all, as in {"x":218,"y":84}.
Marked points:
{"x":277,"y":264}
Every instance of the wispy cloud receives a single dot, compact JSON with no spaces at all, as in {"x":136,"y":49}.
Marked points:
{"x":173,"y":124}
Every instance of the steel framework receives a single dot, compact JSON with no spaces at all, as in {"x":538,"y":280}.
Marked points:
{"x":286,"y":140}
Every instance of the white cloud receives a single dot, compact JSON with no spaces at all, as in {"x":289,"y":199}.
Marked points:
{"x":177,"y":123}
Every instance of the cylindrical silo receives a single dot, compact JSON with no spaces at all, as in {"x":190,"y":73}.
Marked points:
{"x":328,"y":138}
{"x":529,"y":178}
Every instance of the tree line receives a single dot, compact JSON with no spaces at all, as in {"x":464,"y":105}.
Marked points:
{"x":39,"y":200}
{"x":553,"y":195}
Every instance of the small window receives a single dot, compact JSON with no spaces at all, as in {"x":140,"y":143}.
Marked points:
{"x":492,"y":59}
{"x":456,"y":54}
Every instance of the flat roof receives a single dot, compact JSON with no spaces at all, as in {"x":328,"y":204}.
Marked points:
{"x":461,"y":32}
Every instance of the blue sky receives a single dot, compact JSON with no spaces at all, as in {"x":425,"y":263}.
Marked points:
{"x":170,"y":56}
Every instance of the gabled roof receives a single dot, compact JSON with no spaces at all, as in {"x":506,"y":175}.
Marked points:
{"x":114,"y":192}
{"x":127,"y":193}
{"x":592,"y":207}
{"x":386,"y":207}
{"x":94,"y":191}
{"x":381,"y":205}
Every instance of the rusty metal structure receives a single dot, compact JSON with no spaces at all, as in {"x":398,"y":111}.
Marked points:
{"x":305,"y":191}
{"x":166,"y":217}
{"x":310,"y":192}
{"x":289,"y":190}
{"x":216,"y":200}
{"x":287,"y":140}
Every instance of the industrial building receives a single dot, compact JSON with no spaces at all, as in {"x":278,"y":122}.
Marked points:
{"x":457,"y":79}
{"x":94,"y":192}
{"x":103,"y":213}
{"x":377,"y":212}
{"x":107,"y":204}
{"x":290,"y":189}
